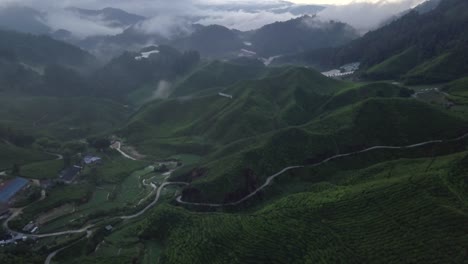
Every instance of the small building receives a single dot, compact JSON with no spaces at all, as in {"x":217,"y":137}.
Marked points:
{"x":29,"y":227}
{"x":69,"y":174}
{"x":109,"y":228}
{"x":88,"y":160}
{"x":226,"y":95}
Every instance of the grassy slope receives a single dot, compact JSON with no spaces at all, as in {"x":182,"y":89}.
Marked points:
{"x":259,"y":106}
{"x":64,"y":118}
{"x":10,"y":155}
{"x":43,"y":170}
{"x":290,"y":118}
{"x":458,"y":90}
{"x":217,"y":75}
{"x":446,"y":67}
{"x":395,"y":66}
{"x":393,"y":212}
{"x":408,"y":66}
{"x":365,"y":124}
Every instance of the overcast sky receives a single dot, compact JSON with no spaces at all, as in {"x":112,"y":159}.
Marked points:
{"x":165,"y":15}
{"x":133,"y":2}
{"x":335,"y":2}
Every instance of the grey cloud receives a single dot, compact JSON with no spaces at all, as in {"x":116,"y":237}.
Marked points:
{"x":167,"y":18}
{"x":80,"y":27}
{"x":365,"y":16}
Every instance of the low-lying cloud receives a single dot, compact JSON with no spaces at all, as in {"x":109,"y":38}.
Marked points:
{"x":243,"y":20}
{"x":80,"y":27}
{"x":365,"y":16}
{"x":169,"y":18}
{"x":165,"y":25}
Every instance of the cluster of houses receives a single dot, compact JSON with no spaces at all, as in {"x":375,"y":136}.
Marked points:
{"x":10,"y":188}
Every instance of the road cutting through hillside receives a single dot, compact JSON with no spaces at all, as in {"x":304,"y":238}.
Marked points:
{"x":271,"y":178}
{"x":19,"y":235}
{"x":117,"y":146}
{"x":156,"y":199}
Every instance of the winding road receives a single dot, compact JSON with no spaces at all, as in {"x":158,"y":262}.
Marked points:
{"x":19,"y":235}
{"x":117,"y":145}
{"x":179,"y":199}
{"x":53,"y":254}
{"x":271,"y":178}
{"x":156,"y":199}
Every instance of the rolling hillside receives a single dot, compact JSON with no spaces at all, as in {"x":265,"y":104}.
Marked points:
{"x":11,"y":155}
{"x":64,"y":118}
{"x":258,"y":106}
{"x":41,"y":50}
{"x":418,"y":48}
{"x":293,"y":117}
{"x":174,"y":157}
{"x":376,"y":214}
{"x":298,"y":35}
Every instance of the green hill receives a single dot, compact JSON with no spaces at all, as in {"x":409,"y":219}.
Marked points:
{"x":42,"y":50}
{"x":130,"y":73}
{"x":258,"y":106}
{"x":218,"y":74}
{"x":12,"y":154}
{"x":395,"y":66}
{"x":293,"y":117}
{"x":444,"y":68}
{"x":299,"y":34}
{"x":419,"y":48}
{"x":374,"y":122}
{"x":397,"y":211}
{"x":64,"y":118}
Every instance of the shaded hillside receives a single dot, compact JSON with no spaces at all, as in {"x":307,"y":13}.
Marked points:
{"x":42,"y":50}
{"x":219,"y":74}
{"x":377,"y":214}
{"x":130,"y":71}
{"x":64,"y":118}
{"x":293,"y":117}
{"x":359,"y":126}
{"x":299,"y":35}
{"x":425,"y":47}
{"x":258,"y":106}
{"x":12,"y":154}
{"x":211,"y":41}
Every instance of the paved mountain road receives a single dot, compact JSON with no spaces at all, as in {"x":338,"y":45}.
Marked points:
{"x":271,"y":178}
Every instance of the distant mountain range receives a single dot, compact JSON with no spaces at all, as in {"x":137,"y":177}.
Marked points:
{"x":306,"y":32}
{"x":420,"y":47}
{"x":217,"y":41}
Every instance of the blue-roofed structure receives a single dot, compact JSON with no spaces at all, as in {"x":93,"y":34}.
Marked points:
{"x":11,"y":188}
